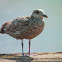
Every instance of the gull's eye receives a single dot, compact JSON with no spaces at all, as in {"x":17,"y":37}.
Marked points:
{"x":37,"y":12}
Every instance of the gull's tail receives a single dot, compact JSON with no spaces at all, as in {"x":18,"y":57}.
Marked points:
{"x":2,"y":31}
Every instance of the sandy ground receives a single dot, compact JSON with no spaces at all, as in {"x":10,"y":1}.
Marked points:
{"x":34,"y":57}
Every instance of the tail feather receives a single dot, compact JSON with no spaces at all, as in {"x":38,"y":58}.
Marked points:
{"x":2,"y":28}
{"x":2,"y":31}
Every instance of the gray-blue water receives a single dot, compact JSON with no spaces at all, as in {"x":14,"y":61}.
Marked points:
{"x":50,"y":40}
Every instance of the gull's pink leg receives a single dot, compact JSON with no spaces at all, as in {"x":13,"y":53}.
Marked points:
{"x":22,"y":48}
{"x":29,"y":46}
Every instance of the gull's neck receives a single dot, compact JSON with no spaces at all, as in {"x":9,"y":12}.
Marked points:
{"x":36,"y":18}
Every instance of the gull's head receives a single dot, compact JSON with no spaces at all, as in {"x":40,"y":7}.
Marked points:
{"x":39,"y":13}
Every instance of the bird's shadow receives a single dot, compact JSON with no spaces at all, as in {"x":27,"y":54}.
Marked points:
{"x":17,"y":58}
{"x":22,"y":59}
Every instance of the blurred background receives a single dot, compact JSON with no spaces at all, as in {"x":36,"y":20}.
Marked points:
{"x":50,"y":40}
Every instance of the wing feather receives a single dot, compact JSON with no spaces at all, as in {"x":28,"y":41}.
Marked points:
{"x":18,"y":24}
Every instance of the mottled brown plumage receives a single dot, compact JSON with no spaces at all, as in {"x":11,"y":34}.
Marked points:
{"x":27,"y":27}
